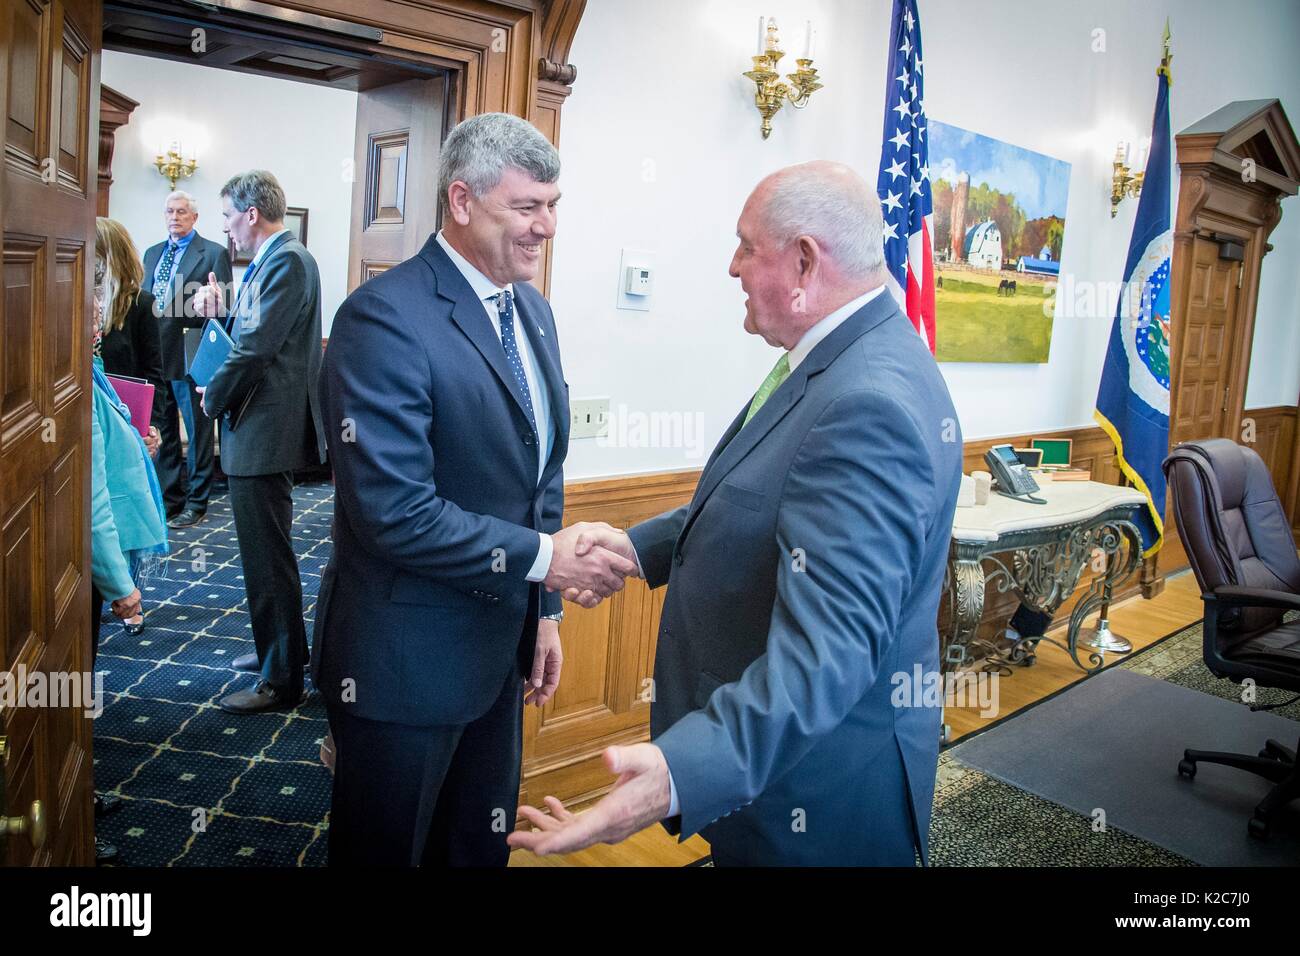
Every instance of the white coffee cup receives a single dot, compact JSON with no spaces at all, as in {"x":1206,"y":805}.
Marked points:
{"x":966,"y":494}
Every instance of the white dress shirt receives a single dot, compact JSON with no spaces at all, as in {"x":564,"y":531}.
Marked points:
{"x":826,"y":326}
{"x":806,"y":344}
{"x":485,"y":289}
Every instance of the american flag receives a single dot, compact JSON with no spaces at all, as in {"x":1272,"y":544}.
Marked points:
{"x":904,"y":181}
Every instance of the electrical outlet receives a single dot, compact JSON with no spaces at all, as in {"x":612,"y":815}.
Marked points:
{"x":588,"y":417}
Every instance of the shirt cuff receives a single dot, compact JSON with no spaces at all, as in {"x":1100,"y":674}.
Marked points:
{"x":673,"y":808}
{"x":542,"y":564}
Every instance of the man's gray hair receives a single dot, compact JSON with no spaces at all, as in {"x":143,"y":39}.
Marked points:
{"x":182,"y":194}
{"x":479,"y":149}
{"x":836,"y":207}
{"x":256,"y":188}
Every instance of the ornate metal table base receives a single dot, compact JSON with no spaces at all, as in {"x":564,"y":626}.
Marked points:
{"x":1045,"y":568}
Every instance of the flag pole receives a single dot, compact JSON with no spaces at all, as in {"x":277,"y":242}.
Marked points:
{"x":1101,"y":637}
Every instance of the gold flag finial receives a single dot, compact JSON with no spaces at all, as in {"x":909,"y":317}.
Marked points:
{"x":1167,"y":58}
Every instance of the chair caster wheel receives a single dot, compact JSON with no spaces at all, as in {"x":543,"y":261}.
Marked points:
{"x":1187,"y":768}
{"x":1258,"y":828}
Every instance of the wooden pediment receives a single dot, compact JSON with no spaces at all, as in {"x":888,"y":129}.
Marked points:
{"x":1246,"y":134}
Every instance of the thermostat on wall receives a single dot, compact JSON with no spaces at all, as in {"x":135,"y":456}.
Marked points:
{"x":636,"y":269}
{"x":638,"y":280}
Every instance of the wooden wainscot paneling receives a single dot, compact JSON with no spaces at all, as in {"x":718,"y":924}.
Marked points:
{"x":605,"y":688}
{"x":1271,"y":431}
{"x":1292,"y":495}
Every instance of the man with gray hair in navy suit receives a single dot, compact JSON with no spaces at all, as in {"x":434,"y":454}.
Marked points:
{"x":448,"y":422}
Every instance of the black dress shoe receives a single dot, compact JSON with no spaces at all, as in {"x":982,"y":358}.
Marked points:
{"x":257,"y":699}
{"x":106,"y":803}
{"x":133,"y":629}
{"x":187,"y":518}
{"x":105,"y":852}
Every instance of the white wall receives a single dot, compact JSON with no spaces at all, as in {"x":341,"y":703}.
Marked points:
{"x":661,"y":146}
{"x":300,"y":132}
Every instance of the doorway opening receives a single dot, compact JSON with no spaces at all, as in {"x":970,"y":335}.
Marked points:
{"x":352,"y":135}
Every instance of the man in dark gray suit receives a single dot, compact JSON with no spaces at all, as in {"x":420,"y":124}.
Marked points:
{"x":804,"y":577}
{"x":265,"y":398}
{"x":174,"y":270}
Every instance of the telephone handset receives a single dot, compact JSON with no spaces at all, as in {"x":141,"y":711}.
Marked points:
{"x":1013,"y":478}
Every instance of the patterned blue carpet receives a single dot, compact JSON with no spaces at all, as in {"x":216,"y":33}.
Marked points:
{"x":201,"y":787}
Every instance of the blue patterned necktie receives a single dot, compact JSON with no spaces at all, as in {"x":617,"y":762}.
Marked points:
{"x":506,"y":313}
{"x":165,"y":271}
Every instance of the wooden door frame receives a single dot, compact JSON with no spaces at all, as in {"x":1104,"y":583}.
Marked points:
{"x":1212,"y":207}
{"x":507,"y":56}
{"x":1216,"y":199}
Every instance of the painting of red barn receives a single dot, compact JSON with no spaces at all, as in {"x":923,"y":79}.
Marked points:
{"x":999,"y":225}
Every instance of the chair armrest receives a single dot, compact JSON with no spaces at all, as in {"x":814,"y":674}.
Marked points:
{"x":1233,"y":595}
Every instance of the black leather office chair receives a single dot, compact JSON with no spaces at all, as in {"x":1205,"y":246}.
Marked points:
{"x":1240,"y":546}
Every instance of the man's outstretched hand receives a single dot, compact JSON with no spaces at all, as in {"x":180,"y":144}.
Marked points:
{"x":580,"y":565}
{"x":641,"y":796}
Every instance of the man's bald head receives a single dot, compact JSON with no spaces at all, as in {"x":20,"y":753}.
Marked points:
{"x":810,"y":240}
{"x":832,"y":204}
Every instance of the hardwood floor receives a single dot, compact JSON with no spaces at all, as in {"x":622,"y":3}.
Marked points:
{"x":1142,"y":622}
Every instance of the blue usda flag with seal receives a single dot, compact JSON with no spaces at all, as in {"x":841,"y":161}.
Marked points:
{"x":1133,"y":400}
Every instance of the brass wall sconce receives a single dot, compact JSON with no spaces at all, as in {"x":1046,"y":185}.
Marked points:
{"x":172,"y":164}
{"x":770,"y":93}
{"x":1124,"y":181}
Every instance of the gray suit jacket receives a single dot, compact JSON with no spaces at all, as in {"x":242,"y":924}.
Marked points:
{"x":802,"y":579}
{"x":265,"y":392}
{"x":178,"y":323}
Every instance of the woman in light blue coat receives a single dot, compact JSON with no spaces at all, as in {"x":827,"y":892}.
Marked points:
{"x":128,"y":536}
{"x":128,"y":530}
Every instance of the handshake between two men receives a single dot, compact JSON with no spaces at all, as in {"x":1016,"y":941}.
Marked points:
{"x":590,"y":563}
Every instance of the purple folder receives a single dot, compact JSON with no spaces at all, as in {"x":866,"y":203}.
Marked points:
{"x":137,"y":394}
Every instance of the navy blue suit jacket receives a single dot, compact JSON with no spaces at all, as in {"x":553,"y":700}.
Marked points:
{"x":802,"y":578}
{"x":425,"y":606}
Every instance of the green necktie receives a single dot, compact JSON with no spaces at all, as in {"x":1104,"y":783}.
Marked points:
{"x":780,"y":372}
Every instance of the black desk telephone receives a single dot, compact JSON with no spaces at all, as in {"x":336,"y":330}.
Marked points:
{"x":1012,"y":476}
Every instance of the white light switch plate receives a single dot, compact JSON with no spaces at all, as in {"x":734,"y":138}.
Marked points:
{"x":588,"y":417}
